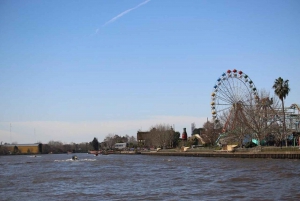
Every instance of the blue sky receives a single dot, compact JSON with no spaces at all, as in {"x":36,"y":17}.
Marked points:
{"x":74,"y":70}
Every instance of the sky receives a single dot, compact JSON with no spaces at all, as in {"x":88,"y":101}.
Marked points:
{"x":75,"y":70}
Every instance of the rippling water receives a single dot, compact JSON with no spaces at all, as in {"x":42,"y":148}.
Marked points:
{"x":138,"y":177}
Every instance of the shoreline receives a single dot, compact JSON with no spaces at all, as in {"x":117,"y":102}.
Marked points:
{"x":270,"y":155}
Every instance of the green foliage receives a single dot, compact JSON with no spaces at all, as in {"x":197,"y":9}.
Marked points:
{"x":281,"y":88}
{"x":95,"y":144}
{"x":176,"y":139}
{"x":16,"y":150}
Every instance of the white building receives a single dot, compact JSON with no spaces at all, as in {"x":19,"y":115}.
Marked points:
{"x":120,"y":145}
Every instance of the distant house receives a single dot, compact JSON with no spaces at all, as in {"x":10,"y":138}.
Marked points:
{"x":120,"y":146}
{"x":143,"y":138}
{"x":23,"y":148}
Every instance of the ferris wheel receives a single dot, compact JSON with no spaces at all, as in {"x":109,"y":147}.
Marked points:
{"x":233,"y":91}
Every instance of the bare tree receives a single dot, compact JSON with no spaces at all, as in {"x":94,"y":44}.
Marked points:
{"x":110,"y":140}
{"x":275,"y":133}
{"x":210,"y":134}
{"x":132,"y":139}
{"x":56,"y":146}
{"x":84,"y":147}
{"x":261,"y":117}
{"x":253,"y":118}
{"x":162,"y":135}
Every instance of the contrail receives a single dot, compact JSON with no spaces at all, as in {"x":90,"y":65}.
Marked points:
{"x":124,"y":13}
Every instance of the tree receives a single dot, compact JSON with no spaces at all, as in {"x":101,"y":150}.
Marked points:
{"x":110,"y":140}
{"x":131,"y":141}
{"x":16,"y":150}
{"x":55,"y":146}
{"x":4,"y":150}
{"x":261,"y":118}
{"x":209,"y":133}
{"x":282,"y":90}
{"x":95,"y":144}
{"x":84,"y":147}
{"x":275,"y":137}
{"x":176,"y":139}
{"x":162,"y":135}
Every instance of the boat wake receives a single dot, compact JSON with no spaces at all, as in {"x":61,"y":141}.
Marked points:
{"x":78,"y":160}
{"x":34,"y":156}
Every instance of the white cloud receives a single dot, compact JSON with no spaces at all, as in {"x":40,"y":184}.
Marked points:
{"x":66,"y":132}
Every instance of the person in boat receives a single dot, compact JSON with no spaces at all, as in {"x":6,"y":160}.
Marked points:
{"x":74,"y":158}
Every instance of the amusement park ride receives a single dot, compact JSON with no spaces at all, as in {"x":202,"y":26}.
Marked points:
{"x":236,"y":106}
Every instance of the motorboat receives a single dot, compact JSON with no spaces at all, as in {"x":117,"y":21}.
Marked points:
{"x":74,"y":158}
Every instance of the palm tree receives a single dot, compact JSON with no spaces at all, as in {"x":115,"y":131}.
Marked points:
{"x":282,"y":90}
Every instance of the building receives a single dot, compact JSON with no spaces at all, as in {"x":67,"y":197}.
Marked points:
{"x":121,"y":146}
{"x":23,"y":148}
{"x":143,"y":138}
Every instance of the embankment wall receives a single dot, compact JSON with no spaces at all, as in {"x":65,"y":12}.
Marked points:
{"x":273,"y":155}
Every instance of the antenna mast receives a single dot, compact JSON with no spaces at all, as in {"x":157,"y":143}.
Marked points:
{"x":10,"y":131}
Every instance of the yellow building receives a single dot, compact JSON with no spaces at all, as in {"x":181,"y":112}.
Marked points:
{"x":23,"y":148}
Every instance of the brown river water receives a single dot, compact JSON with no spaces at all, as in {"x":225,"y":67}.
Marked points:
{"x":140,"y":177}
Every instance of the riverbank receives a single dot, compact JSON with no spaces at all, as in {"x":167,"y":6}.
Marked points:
{"x":255,"y":152}
{"x":271,"y":155}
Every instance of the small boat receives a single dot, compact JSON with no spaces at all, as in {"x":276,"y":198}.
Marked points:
{"x":94,"y":152}
{"x":74,"y":158}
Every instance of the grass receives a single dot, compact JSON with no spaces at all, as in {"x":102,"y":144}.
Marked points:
{"x":279,"y":149}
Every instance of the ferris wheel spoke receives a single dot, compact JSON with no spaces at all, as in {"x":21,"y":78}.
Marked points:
{"x":235,"y":89}
{"x":228,"y":87}
{"x":232,"y":89}
{"x":246,"y":93}
{"x":224,"y":109}
{"x":225,"y":92}
{"x":224,"y":99}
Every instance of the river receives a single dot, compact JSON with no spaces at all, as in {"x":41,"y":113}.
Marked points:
{"x":140,"y":177}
